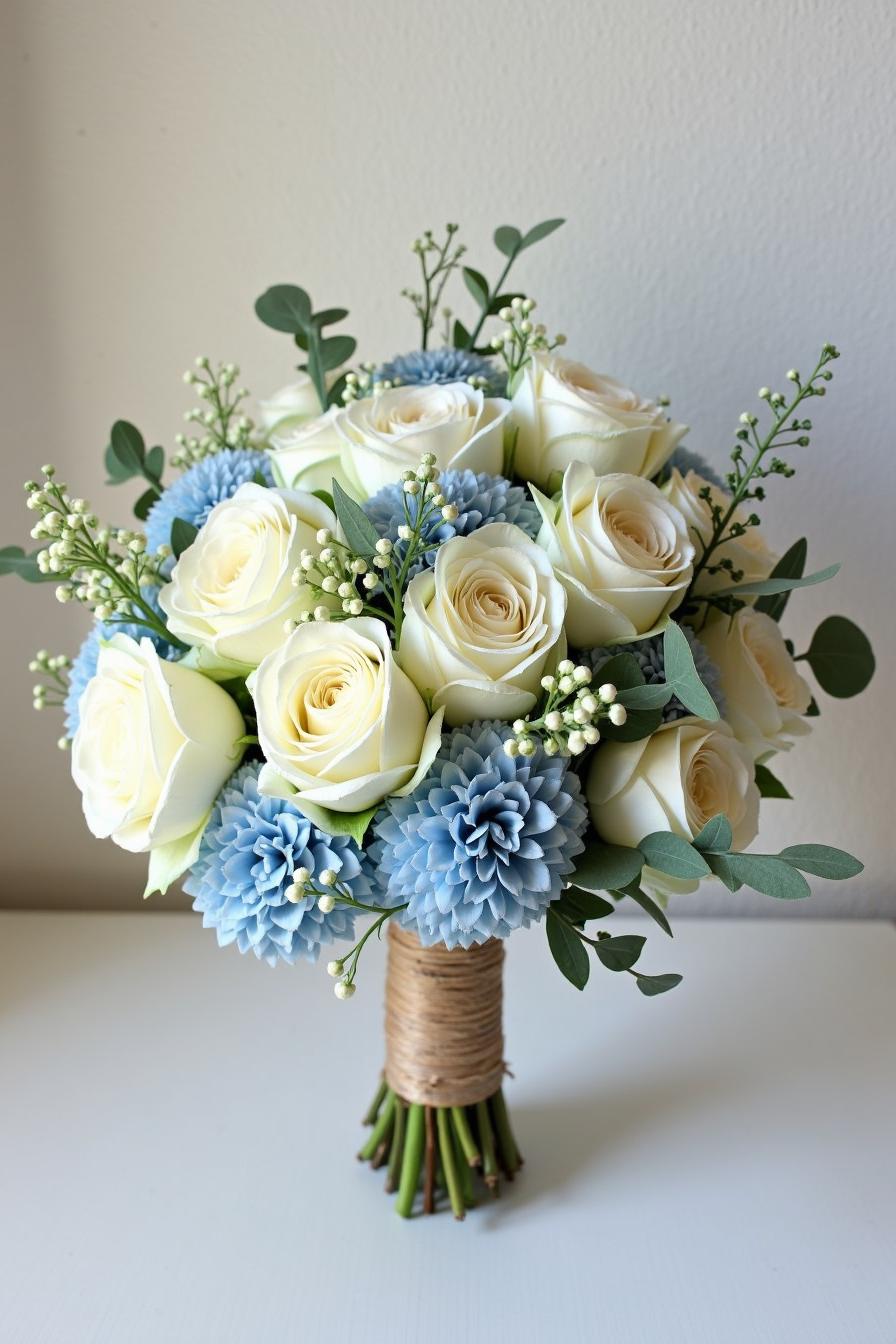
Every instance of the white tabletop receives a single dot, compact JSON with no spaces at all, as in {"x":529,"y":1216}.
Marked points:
{"x":178,"y":1124}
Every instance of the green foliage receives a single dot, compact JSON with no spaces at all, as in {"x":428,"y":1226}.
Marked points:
{"x":15,"y":560}
{"x":778,"y":875}
{"x":183,"y":534}
{"x":770,"y":875}
{"x":127,"y":458}
{"x":579,"y":906}
{"x":672,"y":854}
{"x":568,"y":950}
{"x":623,"y":671}
{"x":353,"y":824}
{"x":682,"y":676}
{"x":715,"y":836}
{"x":823,"y":861}
{"x":775,"y":587}
{"x":650,"y":696}
{"x":288,"y":308}
{"x":841,"y":657}
{"x":510,"y":242}
{"x":791,"y":566}
{"x":650,"y":985}
{"x":769,"y":785}
{"x":607,"y":867}
{"x":360,"y":534}
{"x":620,"y":953}
{"x":648,"y":905}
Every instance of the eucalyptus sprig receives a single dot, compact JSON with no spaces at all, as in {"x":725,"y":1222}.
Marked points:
{"x":437,"y":262}
{"x":288,"y":308}
{"x":510,"y":242}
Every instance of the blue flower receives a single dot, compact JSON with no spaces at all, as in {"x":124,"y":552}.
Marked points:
{"x":649,"y":655}
{"x":483,"y":844}
{"x":194,"y":494}
{"x":442,"y":366}
{"x":479,"y":499}
{"x":84,"y":663}
{"x":686,"y":460}
{"x":242,"y":878}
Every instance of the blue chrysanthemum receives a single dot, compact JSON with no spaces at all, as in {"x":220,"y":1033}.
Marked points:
{"x":243,"y":876}
{"x":483,"y":844}
{"x":442,"y":366}
{"x":479,"y":499}
{"x":84,"y":663}
{"x":649,"y":655}
{"x":686,"y":460}
{"x":194,"y":494}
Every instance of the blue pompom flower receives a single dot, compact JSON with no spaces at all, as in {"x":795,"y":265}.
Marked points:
{"x":478,"y":498}
{"x":483,"y":844}
{"x":84,"y":663}
{"x":649,"y":655}
{"x":442,"y":366}
{"x":685,"y":460}
{"x":194,"y":494}
{"x":242,"y":879}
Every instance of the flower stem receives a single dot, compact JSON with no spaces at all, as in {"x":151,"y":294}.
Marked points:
{"x":508,"y":1152}
{"x":429,"y":1170}
{"x":411,"y":1161}
{"x":487,"y":1143}
{"x":449,"y":1165}
{"x":373,"y":1109}
{"x":393,"y":1174}
{"x":465,"y":1137}
{"x":381,"y":1129}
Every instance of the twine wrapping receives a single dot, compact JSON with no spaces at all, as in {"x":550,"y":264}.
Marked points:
{"x":444,"y":1037}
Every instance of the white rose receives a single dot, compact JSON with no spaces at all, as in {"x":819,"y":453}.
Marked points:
{"x":765,"y":694}
{"x":566,"y":413}
{"x":307,"y":456}
{"x":339,"y":723}
{"x":621,"y":551}
{"x":748,"y":553}
{"x":231,"y":591}
{"x":676,"y":780}
{"x":291,"y":405}
{"x":154,"y":744}
{"x":388,"y":433}
{"x":481,"y":627}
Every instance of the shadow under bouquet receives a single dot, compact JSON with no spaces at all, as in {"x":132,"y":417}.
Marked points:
{"x":448,"y":645}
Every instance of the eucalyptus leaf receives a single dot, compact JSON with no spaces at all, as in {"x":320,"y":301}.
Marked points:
{"x":477,"y":284}
{"x":823,"y":861}
{"x":145,"y":503}
{"x":325,"y":498}
{"x":460,"y":336}
{"x":336,"y":350}
{"x":770,"y":875}
{"x":183,"y":534}
{"x":682,"y":676}
{"x":127,"y":447}
{"x":580,"y":906}
{"x":621,"y":953}
{"x":154,"y":463}
{"x":651,"y":696}
{"x":716,"y":835}
{"x":360,"y":533}
{"x":115,"y":472}
{"x":284,"y":308}
{"x":568,"y":950}
{"x":770,"y":587}
{"x":607,"y":867}
{"x":648,"y":905}
{"x":507,"y":239}
{"x":841,"y":657}
{"x":15,"y":560}
{"x":327,"y":316}
{"x":769,"y":785}
{"x":540,"y":231}
{"x":672,"y":854}
{"x":791,"y":566}
{"x":651,"y":985}
{"x":721,"y":867}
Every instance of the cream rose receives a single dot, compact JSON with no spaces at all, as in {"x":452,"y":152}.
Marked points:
{"x":307,"y":456}
{"x":339,"y":723}
{"x":764,"y":693}
{"x":621,"y":551}
{"x":748,"y":553}
{"x":388,"y":433}
{"x":290,"y":405}
{"x":563,"y":412}
{"x":482,"y":626}
{"x":231,"y":591}
{"x":154,"y":744}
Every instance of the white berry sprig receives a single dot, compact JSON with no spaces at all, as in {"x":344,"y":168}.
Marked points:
{"x":222,"y":422}
{"x":572,"y":709}
{"x":520,"y":338}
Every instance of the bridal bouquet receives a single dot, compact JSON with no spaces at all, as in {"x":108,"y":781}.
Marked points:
{"x":458,"y":643}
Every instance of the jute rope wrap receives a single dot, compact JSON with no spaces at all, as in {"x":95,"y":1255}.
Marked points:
{"x":444,"y":1038}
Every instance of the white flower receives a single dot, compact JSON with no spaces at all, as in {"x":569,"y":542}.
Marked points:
{"x":154,"y":744}
{"x":482,"y":628}
{"x":291,"y":405}
{"x":387,"y":434}
{"x":306,"y":456}
{"x":231,"y":591}
{"x":339,"y":723}
{"x":764,"y":693}
{"x":566,"y":413}
{"x":621,"y":551}
{"x":748,"y":553}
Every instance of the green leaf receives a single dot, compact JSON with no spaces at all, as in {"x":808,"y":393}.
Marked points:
{"x":769,"y":785}
{"x":353,"y":824}
{"x":460,"y":336}
{"x":183,"y":534}
{"x":645,"y":697}
{"x":334,"y":393}
{"x":154,"y":463}
{"x":327,"y":316}
{"x":790,"y":566}
{"x":127,"y":448}
{"x":721,"y":867}
{"x":620,"y":954}
{"x":14,"y":560}
{"x":624,"y":673}
{"x":622,"y":670}
{"x":658,"y":984}
{"x":813,"y":711}
{"x":770,"y":875}
{"x":823,"y":861}
{"x":145,"y":503}
{"x":477,"y":284}
{"x":336,"y":350}
{"x":766,"y":587}
{"x":580,"y":906}
{"x":539,"y":231}
{"x":648,"y":905}
{"x":674,"y":855}
{"x":360,"y":533}
{"x":325,"y":498}
{"x":682,"y":676}
{"x":285,"y":308}
{"x":716,"y":835}
{"x":607,"y":867}
{"x":508,"y":240}
{"x":115,"y":472}
{"x":841,"y":657}
{"x":568,"y":951}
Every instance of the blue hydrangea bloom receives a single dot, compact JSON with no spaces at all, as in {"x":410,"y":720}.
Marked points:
{"x":241,"y":879}
{"x":479,"y":499}
{"x":84,"y":663}
{"x":649,"y":654}
{"x":686,"y":460}
{"x":483,"y":844}
{"x":442,"y":366}
{"x":194,"y":494}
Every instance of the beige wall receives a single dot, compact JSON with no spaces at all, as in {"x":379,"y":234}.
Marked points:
{"x":728,"y":174}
